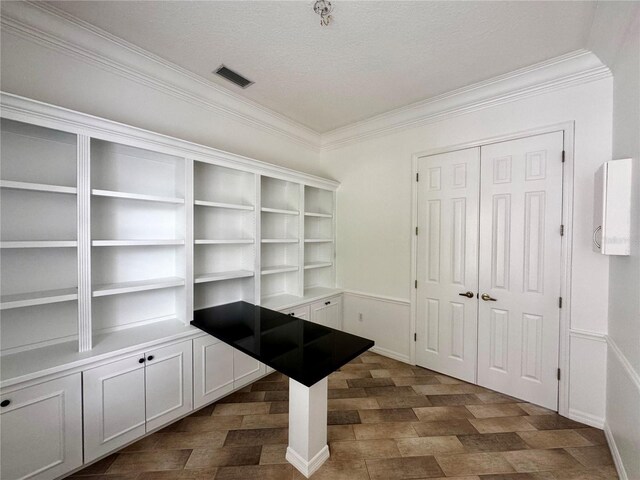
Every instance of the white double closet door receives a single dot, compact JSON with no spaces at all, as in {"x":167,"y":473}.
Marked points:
{"x":488,"y":265}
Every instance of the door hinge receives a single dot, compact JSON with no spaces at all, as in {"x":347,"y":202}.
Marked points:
{"x":562,"y":156}
{"x":415,"y":285}
{"x":561,"y":230}
{"x":416,"y":230}
{"x":417,"y":177}
{"x":415,"y":337}
{"x":558,"y":374}
{"x":560,"y":302}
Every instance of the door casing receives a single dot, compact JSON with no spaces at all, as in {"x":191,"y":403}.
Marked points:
{"x":567,"y":128}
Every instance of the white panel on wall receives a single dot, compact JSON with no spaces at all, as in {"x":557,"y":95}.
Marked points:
{"x":588,"y":379}
{"x":385,"y":321}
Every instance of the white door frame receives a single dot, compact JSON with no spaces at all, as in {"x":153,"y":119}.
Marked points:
{"x":567,"y":220}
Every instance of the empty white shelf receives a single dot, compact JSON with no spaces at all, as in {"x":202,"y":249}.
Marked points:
{"x":39,"y":244}
{"x":136,"y":196}
{"x":38,"y":298}
{"x":37,"y":187}
{"x":231,"y":206}
{"x":278,"y":269}
{"x":318,"y":240}
{"x":311,"y":265}
{"x":279,"y":240}
{"x":227,"y":241}
{"x":279,"y":210}
{"x":137,"y":286}
{"x":218,"y":276}
{"x":134,"y":243}
{"x":315,"y":214}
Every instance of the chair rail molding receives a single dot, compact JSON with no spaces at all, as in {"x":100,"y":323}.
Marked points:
{"x":55,"y":29}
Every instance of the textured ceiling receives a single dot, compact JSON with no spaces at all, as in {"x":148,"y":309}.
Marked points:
{"x":376,"y":56}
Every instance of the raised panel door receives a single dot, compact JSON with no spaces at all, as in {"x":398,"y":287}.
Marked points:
{"x":168,"y":381}
{"x":41,"y":434}
{"x":212,"y":370}
{"x":114,"y":405}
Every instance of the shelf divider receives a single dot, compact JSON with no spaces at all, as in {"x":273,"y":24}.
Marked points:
{"x":136,"y":286}
{"x":43,"y":297}
{"x":219,"y":276}
{"x":231,"y":206}
{"x":136,"y":196}
{"x":37,"y":187}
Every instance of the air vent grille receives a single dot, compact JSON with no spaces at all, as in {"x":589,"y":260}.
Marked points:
{"x":233,"y":77}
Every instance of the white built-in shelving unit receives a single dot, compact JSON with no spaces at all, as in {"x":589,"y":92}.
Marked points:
{"x":111,"y":236}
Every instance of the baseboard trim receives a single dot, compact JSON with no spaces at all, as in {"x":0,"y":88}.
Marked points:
{"x":615,"y":453}
{"x":304,"y":467}
{"x":586,"y":418}
{"x":388,"y":353}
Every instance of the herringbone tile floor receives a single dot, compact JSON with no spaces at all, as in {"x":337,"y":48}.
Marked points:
{"x":387,"y":421}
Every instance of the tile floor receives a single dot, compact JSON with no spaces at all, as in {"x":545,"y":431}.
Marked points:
{"x":387,"y":421}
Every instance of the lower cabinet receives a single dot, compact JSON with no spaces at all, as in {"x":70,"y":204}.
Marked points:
{"x":219,"y":369}
{"x":125,"y":399}
{"x":298,"y":312}
{"x":328,"y":312}
{"x":41,"y":434}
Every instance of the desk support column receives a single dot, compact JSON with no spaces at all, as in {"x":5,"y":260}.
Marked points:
{"x":308,"y":447}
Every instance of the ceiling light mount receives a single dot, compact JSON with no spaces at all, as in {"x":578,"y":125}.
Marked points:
{"x":324,"y":9}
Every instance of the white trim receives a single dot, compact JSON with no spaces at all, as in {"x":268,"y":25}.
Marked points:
{"x":588,"y":335}
{"x":15,"y":107}
{"x":575,"y":68}
{"x":57,"y":30}
{"x":381,"y":298}
{"x":307,"y":468}
{"x":586,"y":418}
{"x":624,"y":362}
{"x":391,"y":354}
{"x":567,"y":219}
{"x":615,"y":453}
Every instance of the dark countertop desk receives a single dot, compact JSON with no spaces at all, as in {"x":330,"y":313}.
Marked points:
{"x":306,"y":352}
{"x":302,"y":350}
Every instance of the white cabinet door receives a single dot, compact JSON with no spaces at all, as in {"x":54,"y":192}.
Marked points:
{"x":114,"y":406}
{"x":212,"y":370}
{"x":447,"y":263}
{"x":168,"y":382}
{"x":41,"y":434}
{"x":298,"y":312}
{"x":328,"y":312}
{"x":520,"y":252}
{"x":245,"y":369}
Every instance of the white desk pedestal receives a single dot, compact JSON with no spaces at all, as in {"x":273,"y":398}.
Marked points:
{"x":308,"y":448}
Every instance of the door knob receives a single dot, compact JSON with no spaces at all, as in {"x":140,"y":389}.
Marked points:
{"x":466,"y":294}
{"x":487,"y":298}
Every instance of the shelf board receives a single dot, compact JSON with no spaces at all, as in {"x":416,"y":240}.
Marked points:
{"x":316,"y":214}
{"x":218,"y":276}
{"x":310,"y":265}
{"x":280,"y":240}
{"x":37,"y":187}
{"x":136,"y":196}
{"x":318,"y":240}
{"x":279,"y":269}
{"x":38,"y":298}
{"x":137,"y":286}
{"x":134,"y":243}
{"x":279,"y":210}
{"x":228,"y":241}
{"x":231,"y":206}
{"x":39,"y":244}
{"x":284,"y":300}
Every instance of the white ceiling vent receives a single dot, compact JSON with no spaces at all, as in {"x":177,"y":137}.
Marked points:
{"x":233,"y":77}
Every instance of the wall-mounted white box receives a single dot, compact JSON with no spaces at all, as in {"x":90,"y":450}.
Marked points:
{"x":612,"y":208}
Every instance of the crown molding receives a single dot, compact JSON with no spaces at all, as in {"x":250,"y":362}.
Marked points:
{"x":55,"y":29}
{"x":568,"y":70}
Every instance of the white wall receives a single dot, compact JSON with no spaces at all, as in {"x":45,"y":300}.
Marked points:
{"x":374,"y":214}
{"x":43,"y":60}
{"x":622,"y":52}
